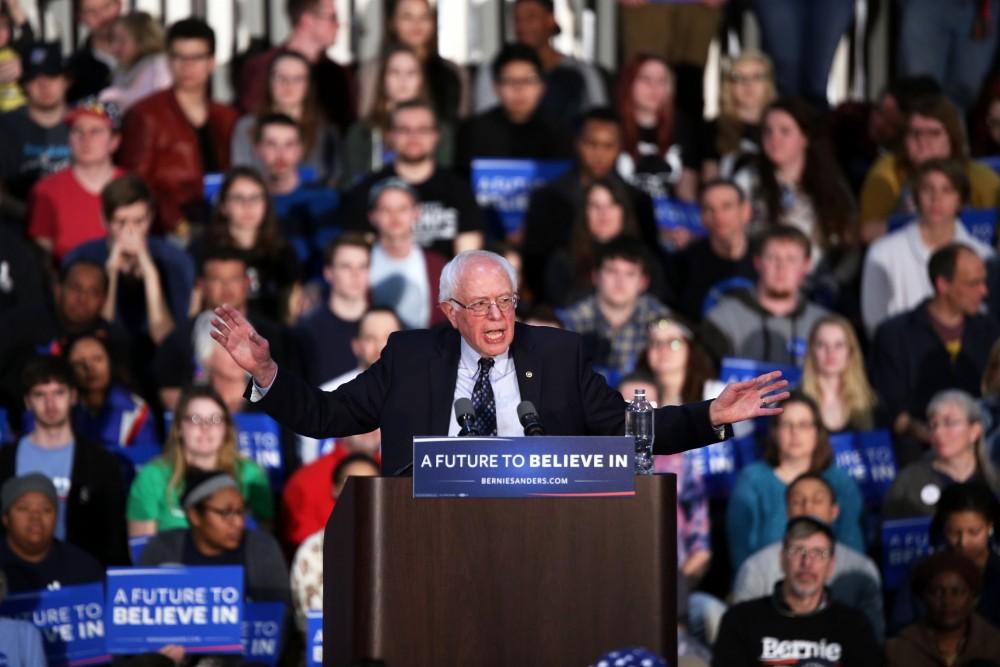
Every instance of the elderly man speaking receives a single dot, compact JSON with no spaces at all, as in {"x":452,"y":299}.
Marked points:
{"x":485,"y":356}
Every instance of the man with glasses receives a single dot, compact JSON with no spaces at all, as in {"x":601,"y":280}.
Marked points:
{"x":799,"y":622}
{"x":90,"y":67}
{"x":314,"y":30}
{"x":412,"y":388}
{"x":450,"y":220}
{"x":174,"y":137}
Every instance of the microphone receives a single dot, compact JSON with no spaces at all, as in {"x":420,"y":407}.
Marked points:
{"x":465,"y":414}
{"x":529,"y":419}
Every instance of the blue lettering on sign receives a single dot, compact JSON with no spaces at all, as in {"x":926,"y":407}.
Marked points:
{"x":70,"y":620}
{"x":314,"y":639}
{"x":505,"y":186}
{"x":868,"y":458}
{"x":259,"y":438}
{"x":981,"y":223}
{"x":263,"y":624}
{"x":904,"y":541}
{"x":199,"y":608}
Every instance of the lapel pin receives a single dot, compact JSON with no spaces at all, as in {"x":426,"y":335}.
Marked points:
{"x":529,"y":374}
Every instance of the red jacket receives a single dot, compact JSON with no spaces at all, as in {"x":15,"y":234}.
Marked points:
{"x":161,"y":146}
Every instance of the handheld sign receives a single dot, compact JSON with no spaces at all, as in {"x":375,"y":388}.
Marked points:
{"x":259,"y":438}
{"x":904,"y":541}
{"x":314,"y":639}
{"x":199,"y":608}
{"x":263,"y":623}
{"x":564,"y":466}
{"x":505,"y":186}
{"x":674,"y":214}
{"x":868,"y":458}
{"x":71,"y":621}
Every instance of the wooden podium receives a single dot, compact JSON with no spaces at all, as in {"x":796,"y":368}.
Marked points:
{"x":524,"y":581}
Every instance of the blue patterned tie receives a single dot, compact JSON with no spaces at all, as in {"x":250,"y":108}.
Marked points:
{"x":482,"y":400}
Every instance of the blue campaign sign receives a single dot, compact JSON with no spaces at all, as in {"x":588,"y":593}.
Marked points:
{"x":199,"y":608}
{"x":136,"y":545}
{"x":259,"y":439}
{"x":263,"y":623}
{"x":71,"y":621}
{"x":314,"y":639}
{"x":505,"y":186}
{"x":868,"y":458}
{"x":5,"y":432}
{"x":981,"y":223}
{"x":720,"y":463}
{"x":735,"y":369}
{"x":904,"y":541}
{"x":523,"y":467}
{"x":673,"y":214}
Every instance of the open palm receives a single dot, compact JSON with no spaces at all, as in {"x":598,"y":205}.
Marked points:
{"x":249,"y":350}
{"x":746,"y":400}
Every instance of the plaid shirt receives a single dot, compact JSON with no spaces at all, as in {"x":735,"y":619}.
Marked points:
{"x":617,"y":350}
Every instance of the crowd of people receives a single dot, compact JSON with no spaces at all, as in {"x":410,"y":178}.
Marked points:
{"x":853,"y":247}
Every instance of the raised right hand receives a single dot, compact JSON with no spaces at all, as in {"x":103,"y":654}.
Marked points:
{"x":248,"y":349}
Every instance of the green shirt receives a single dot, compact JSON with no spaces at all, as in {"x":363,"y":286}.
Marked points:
{"x":149,"y":499}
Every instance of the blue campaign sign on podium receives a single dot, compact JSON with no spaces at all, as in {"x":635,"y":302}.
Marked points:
{"x":505,"y":186}
{"x":566,"y":466}
{"x":70,"y":620}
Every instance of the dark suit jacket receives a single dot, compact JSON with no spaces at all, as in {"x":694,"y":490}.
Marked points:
{"x":410,"y":391}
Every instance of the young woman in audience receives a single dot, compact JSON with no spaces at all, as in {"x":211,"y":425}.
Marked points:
{"x":290,"y":91}
{"x":676,"y":361}
{"x":796,"y":181}
{"x":368,"y":142}
{"x":413,"y":24}
{"x":244,"y":219}
{"x":137,"y":42}
{"x":955,"y":422}
{"x":606,"y":214}
{"x":659,"y":144}
{"x":202,"y":436}
{"x":964,"y":521}
{"x":734,"y":138}
{"x":934,"y":130}
{"x":834,"y":377}
{"x":798,"y":443}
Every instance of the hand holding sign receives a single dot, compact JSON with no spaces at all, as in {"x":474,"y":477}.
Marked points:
{"x":750,"y":399}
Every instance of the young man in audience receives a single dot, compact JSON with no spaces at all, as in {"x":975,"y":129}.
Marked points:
{"x":855,"y":580}
{"x":799,"y":620}
{"x":772,"y":321}
{"x":31,"y":556}
{"x":65,"y":208}
{"x":450,"y":220}
{"x":324,"y":334}
{"x":719,"y":262}
{"x":548,"y":222}
{"x":91,"y":64}
{"x":222,"y":279}
{"x":149,"y":279}
{"x":516,"y":127}
{"x":305,"y":210}
{"x":616,"y":318}
{"x":944,"y":343}
{"x":35,"y":137}
{"x":174,"y":137}
{"x":91,"y":494}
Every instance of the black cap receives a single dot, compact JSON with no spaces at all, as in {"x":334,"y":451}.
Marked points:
{"x":41,"y":58}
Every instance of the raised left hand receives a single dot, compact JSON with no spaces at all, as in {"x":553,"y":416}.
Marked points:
{"x":746,"y":400}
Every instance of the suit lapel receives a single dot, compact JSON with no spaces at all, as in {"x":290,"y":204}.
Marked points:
{"x":443,"y":372}
{"x":527,"y":366}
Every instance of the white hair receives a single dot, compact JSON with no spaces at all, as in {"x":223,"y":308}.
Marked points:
{"x":451,"y":275}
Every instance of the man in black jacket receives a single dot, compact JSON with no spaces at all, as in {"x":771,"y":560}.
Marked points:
{"x":943,"y":343}
{"x":799,"y":624}
{"x":91,"y":494}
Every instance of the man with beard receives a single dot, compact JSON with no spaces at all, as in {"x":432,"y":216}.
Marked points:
{"x":800,"y":623}
{"x":450,"y":221}
{"x":772,"y":321}
{"x":90,"y":67}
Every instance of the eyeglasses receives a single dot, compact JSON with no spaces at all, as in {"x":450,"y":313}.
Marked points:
{"x":935,"y":424}
{"x":673,"y":343}
{"x":816,"y":553}
{"x":482,"y":306}
{"x":205,"y":420}
{"x":227,"y":513}
{"x":246,"y":200}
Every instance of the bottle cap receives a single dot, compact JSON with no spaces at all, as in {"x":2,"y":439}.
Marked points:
{"x":640,"y":391}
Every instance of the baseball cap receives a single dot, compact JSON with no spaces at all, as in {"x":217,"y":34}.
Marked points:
{"x":93,"y":107}
{"x":15,"y":487}
{"x":41,"y":58}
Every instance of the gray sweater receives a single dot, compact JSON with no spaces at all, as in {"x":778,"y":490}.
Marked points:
{"x":855,"y":581}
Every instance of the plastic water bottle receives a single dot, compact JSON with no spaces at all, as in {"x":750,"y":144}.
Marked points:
{"x":639,"y":425}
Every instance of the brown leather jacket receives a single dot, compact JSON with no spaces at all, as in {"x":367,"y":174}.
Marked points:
{"x":161,"y":146}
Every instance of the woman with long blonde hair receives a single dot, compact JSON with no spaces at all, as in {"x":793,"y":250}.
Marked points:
{"x":834,"y":376}
{"x":746,"y":89}
{"x":202,"y":436}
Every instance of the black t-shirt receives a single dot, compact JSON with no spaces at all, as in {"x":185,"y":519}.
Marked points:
{"x":447,"y":208}
{"x":209,"y":163}
{"x":492,"y":134}
{"x":657,"y":173}
{"x":697,"y":270}
{"x":191,"y":556}
{"x":65,"y":565}
{"x":325,"y":341}
{"x":30,"y":151}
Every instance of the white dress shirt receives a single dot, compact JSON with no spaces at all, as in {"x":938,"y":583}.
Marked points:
{"x":506,"y":393}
